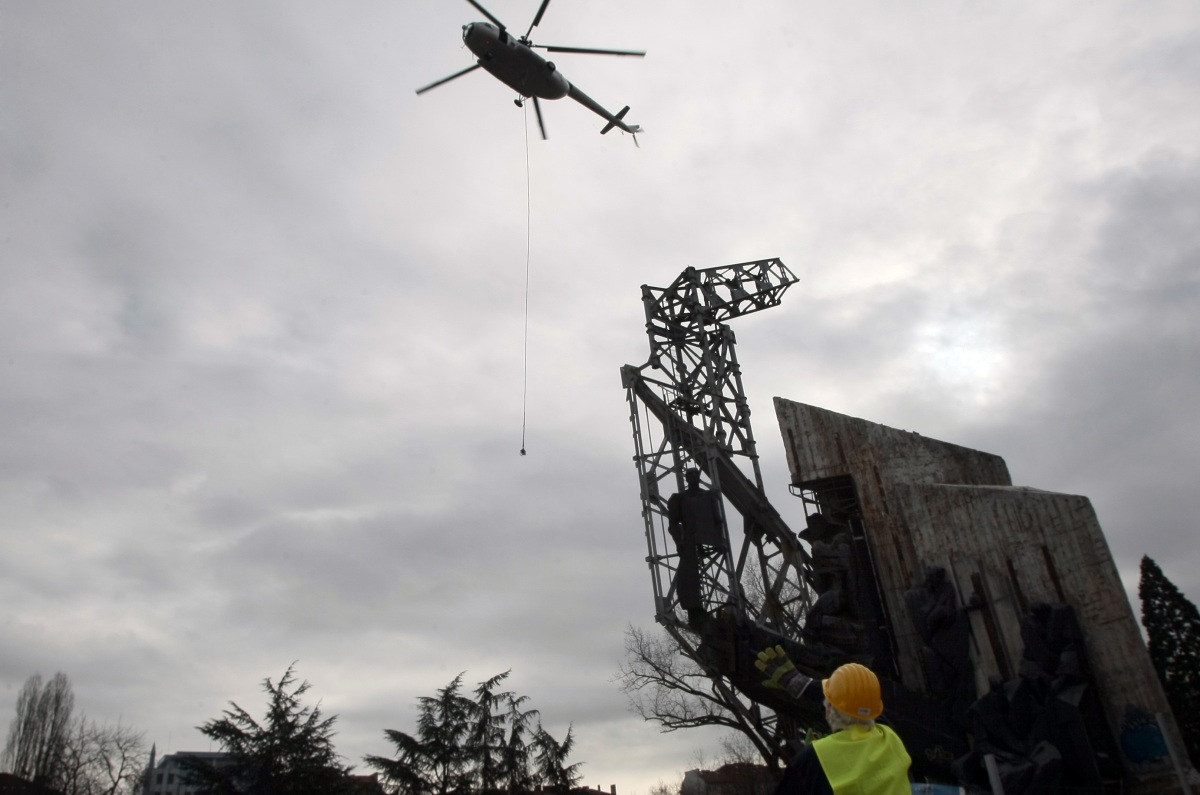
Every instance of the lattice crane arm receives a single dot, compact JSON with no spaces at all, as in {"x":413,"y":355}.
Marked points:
{"x":690,"y":392}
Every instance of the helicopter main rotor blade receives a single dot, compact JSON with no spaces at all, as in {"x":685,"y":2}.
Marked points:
{"x":487,"y":14}
{"x":447,"y":79}
{"x":590,"y":50}
{"x":537,"y":18}
{"x":537,"y":109}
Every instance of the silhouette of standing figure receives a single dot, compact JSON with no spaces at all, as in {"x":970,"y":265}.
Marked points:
{"x":694,"y":522}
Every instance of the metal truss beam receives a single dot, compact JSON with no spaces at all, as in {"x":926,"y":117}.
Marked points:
{"x":688,"y":408}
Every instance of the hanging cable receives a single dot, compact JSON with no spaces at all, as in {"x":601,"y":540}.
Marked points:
{"x":528,"y":239}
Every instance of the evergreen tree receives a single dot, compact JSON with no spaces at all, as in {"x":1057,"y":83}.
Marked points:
{"x":518,"y":772}
{"x":435,"y":761}
{"x":553,"y":770}
{"x":476,"y":746}
{"x":290,"y":753}
{"x":485,"y":743}
{"x":1173,"y":627}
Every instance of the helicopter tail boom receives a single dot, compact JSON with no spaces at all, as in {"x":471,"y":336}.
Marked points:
{"x":632,"y":129}
{"x":598,"y":109}
{"x":615,"y":120}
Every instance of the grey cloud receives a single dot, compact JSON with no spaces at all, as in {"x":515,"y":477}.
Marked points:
{"x":263,"y":364}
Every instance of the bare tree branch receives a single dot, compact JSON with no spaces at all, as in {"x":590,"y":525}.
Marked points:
{"x":38,"y":735}
{"x":74,"y":755}
{"x":668,"y":687}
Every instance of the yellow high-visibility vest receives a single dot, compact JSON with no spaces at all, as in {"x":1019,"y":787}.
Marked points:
{"x":862,"y":761}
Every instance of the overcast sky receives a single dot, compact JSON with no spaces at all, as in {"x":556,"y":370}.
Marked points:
{"x":263,"y":308}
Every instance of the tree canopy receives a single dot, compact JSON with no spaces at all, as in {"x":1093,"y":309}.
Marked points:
{"x":290,"y":752}
{"x":486,"y":743}
{"x":51,"y":746}
{"x":1172,"y":625}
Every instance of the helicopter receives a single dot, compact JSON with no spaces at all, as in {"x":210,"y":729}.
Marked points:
{"x":513,"y":62}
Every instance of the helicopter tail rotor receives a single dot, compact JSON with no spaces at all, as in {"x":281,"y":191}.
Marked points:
{"x":615,"y":121}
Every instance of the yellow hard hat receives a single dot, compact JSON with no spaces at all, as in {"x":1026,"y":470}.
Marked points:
{"x":854,"y":690}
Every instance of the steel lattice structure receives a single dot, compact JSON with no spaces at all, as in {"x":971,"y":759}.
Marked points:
{"x":688,"y":408}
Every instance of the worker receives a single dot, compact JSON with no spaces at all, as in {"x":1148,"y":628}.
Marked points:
{"x":859,"y":756}
{"x":694,"y":522}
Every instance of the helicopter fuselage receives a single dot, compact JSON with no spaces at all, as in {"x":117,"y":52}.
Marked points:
{"x":514,"y":63}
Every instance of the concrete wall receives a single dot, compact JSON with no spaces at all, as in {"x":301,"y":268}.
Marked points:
{"x":930,"y":503}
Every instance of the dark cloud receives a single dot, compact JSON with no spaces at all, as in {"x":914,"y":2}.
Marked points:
{"x":264,"y":370}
